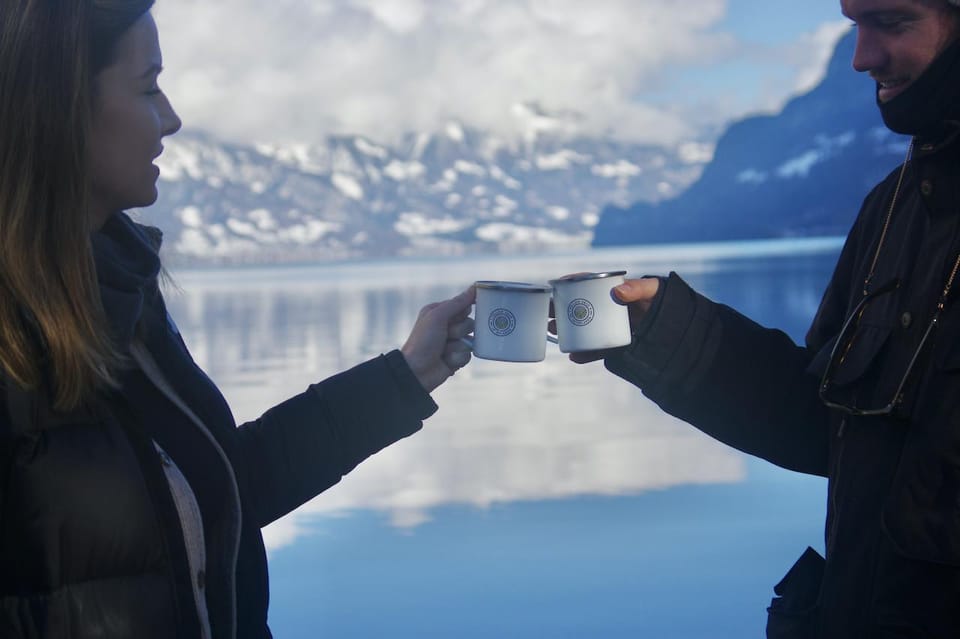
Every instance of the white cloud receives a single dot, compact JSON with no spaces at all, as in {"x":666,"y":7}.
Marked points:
{"x":301,"y":69}
{"x":821,"y":43}
{"x":402,"y":16}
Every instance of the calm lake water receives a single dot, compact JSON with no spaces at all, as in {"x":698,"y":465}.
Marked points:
{"x":542,"y":500}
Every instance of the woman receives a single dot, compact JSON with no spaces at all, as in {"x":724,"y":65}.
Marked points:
{"x":130,"y":503}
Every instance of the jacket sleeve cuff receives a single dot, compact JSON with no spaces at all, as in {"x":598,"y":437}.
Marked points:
{"x":384,"y":391}
{"x":659,"y":336}
{"x":408,"y":384}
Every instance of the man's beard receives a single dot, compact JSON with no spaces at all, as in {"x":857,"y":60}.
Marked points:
{"x":931,"y":100}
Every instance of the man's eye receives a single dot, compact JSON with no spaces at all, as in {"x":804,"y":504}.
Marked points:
{"x":892,"y":23}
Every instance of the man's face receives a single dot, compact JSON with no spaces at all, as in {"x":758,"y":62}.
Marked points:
{"x":898,"y":39}
{"x":131,"y":115}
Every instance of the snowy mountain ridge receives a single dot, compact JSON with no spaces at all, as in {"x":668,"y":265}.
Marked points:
{"x":456,"y":192}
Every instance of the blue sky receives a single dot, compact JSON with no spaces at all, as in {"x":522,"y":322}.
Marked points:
{"x":781,"y":49}
{"x":777,"y":21}
{"x":771,"y":24}
{"x":659,"y":71}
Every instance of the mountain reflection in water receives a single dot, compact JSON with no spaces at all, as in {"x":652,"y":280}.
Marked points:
{"x":506,"y":434}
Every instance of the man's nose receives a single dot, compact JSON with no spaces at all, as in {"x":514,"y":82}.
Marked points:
{"x":869,"y":54}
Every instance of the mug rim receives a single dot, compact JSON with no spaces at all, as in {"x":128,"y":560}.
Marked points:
{"x":517,"y":287}
{"x":583,"y":277}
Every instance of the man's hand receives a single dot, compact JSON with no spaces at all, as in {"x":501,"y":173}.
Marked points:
{"x":637,"y":295}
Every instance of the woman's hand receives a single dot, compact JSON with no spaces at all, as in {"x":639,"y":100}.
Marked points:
{"x":435,"y":349}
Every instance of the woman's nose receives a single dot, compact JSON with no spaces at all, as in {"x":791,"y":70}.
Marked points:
{"x":170,"y":120}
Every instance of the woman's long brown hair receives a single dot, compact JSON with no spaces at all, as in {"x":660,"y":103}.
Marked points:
{"x":53,"y":331}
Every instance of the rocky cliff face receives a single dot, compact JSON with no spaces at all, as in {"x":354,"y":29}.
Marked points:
{"x":802,"y":172}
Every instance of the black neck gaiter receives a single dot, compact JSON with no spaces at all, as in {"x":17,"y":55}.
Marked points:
{"x":931,"y":100}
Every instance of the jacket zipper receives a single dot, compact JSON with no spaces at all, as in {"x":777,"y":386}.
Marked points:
{"x":150,"y":368}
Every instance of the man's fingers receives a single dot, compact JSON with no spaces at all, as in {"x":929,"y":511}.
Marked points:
{"x":587,"y":357}
{"x":641,"y":290}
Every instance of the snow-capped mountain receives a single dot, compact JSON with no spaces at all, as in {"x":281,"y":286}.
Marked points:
{"x":804,"y":171}
{"x":454,"y":192}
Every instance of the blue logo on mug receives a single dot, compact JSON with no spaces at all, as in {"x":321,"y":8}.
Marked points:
{"x":501,"y":322}
{"x":580,"y":312}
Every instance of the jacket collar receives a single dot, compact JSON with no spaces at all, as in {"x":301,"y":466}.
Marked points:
{"x":127,"y":263}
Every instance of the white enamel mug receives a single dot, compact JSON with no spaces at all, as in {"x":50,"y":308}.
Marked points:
{"x":511,"y":321}
{"x":588,"y":318}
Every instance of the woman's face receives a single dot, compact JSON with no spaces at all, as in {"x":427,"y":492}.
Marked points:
{"x":131,"y":116}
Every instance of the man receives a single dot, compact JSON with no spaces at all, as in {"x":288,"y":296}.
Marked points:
{"x":873,"y":400}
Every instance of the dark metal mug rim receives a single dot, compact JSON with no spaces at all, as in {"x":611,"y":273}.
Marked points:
{"x":516,"y":287}
{"x":583,"y":277}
